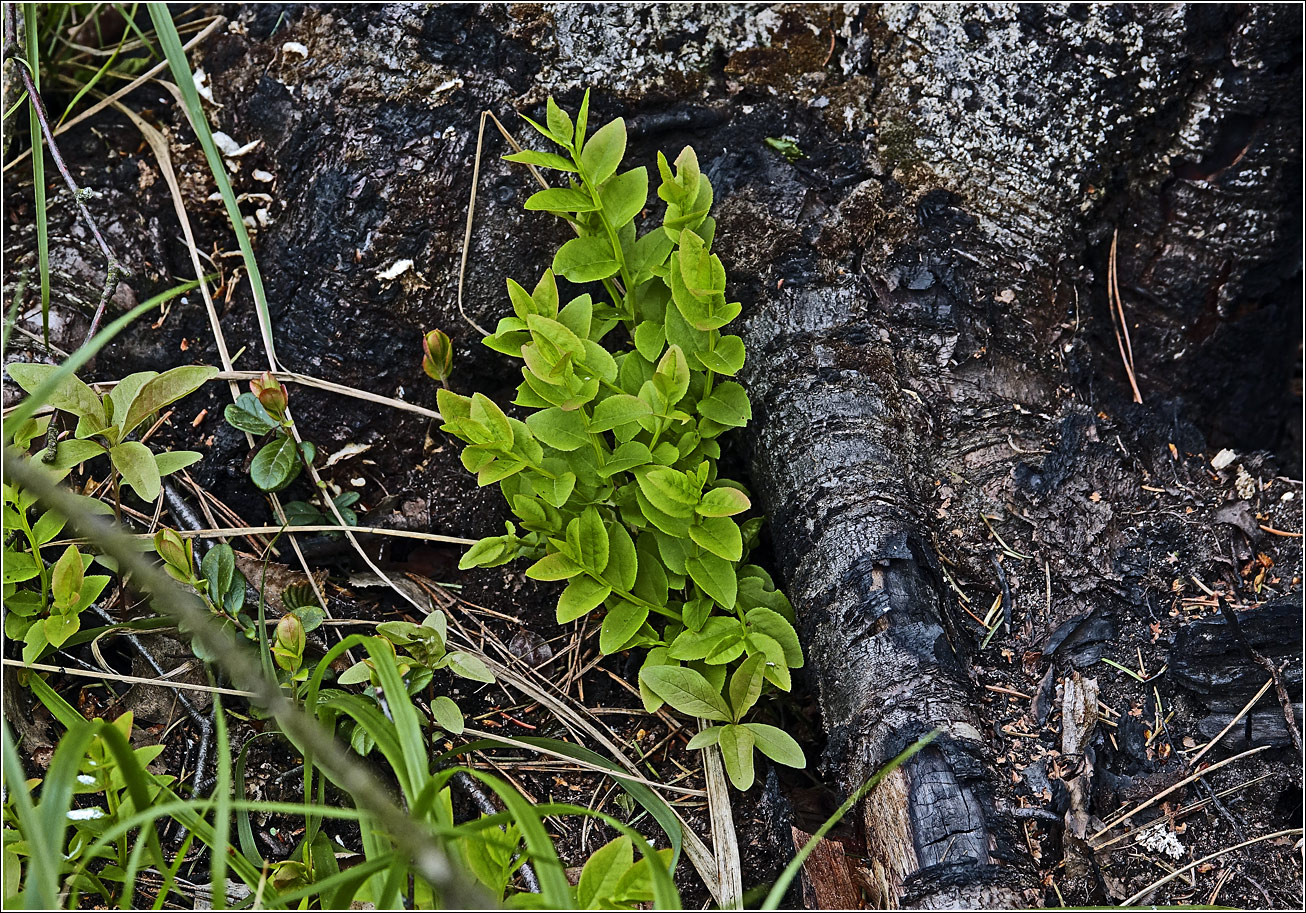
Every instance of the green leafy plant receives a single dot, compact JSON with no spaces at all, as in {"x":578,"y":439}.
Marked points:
{"x":216,"y":581}
{"x":105,"y":423}
{"x":43,"y":604}
{"x":306,"y":513}
{"x":613,"y":474}
{"x":419,"y":651}
{"x":262,"y":412}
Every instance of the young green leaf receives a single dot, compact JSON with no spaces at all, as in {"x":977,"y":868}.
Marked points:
{"x":447,"y":715}
{"x":624,"y":196}
{"x":591,"y":540}
{"x":720,"y":536}
{"x":727,"y":405}
{"x":604,"y":151}
{"x":248,"y":414}
{"x":716,"y":576}
{"x":777,"y":745}
{"x":559,"y":122}
{"x":70,"y":396}
{"x":705,"y":737}
{"x":737,"y":754}
{"x":618,"y":410}
{"x":559,"y":429}
{"x":629,"y":455}
{"x":553,"y":567}
{"x":560,"y":199}
{"x":620,"y":625}
{"x":746,"y":686}
{"x":723,"y":502}
{"x":726,"y":357}
{"x":775,"y":626}
{"x":581,"y":596}
{"x":623,"y":563}
{"x":276,"y":465}
{"x":485,"y":412}
{"x":669,"y":490}
{"x":602,"y":873}
{"x":586,"y":259}
{"x":468,"y":666}
{"x":136,"y":463}
{"x":540,"y":160}
{"x":686,"y":691}
{"x":650,"y":338}
{"x":66,"y":579}
{"x":489,"y":552}
{"x":172,"y":461}
{"x":164,"y":390}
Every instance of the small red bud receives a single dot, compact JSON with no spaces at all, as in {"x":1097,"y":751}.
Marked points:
{"x":270,"y":393}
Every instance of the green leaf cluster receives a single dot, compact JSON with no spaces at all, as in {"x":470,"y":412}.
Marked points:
{"x":612,"y":476}
{"x":43,"y":600}
{"x":43,"y":603}
{"x":418,"y":651}
{"x":280,"y":459}
{"x":106,"y":423}
{"x":217,"y":581}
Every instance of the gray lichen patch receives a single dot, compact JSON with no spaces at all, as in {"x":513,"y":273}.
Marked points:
{"x":1006,"y":106}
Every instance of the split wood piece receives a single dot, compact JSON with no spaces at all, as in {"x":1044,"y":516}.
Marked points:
{"x":826,"y":881}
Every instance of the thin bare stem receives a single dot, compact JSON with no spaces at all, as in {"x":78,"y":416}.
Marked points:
{"x":115,"y":271}
{"x":1118,"y":322}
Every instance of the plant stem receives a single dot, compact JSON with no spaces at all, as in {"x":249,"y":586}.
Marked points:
{"x":115,"y":271}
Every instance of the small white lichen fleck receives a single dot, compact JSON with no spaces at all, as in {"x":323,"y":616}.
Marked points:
{"x":1244,"y":483}
{"x":85,"y":814}
{"x":1161,"y":840}
{"x":1223,"y":459}
{"x":230,"y":148}
{"x":347,"y":451}
{"x":202,"y":85}
{"x":396,"y":269}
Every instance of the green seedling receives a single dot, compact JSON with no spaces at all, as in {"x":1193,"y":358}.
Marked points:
{"x":262,"y":412}
{"x":613,"y":473}
{"x":216,"y":581}
{"x":105,"y":424}
{"x":786,"y":147}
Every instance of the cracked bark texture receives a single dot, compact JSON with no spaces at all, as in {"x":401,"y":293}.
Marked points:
{"x":925,"y":307}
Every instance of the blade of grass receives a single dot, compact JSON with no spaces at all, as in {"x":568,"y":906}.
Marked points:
{"x":38,"y":174}
{"x":222,"y":810}
{"x":28,"y":407}
{"x":42,"y":886}
{"x":244,"y":832}
{"x":790,"y":872}
{"x":181,"y":73}
{"x":52,"y":813}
